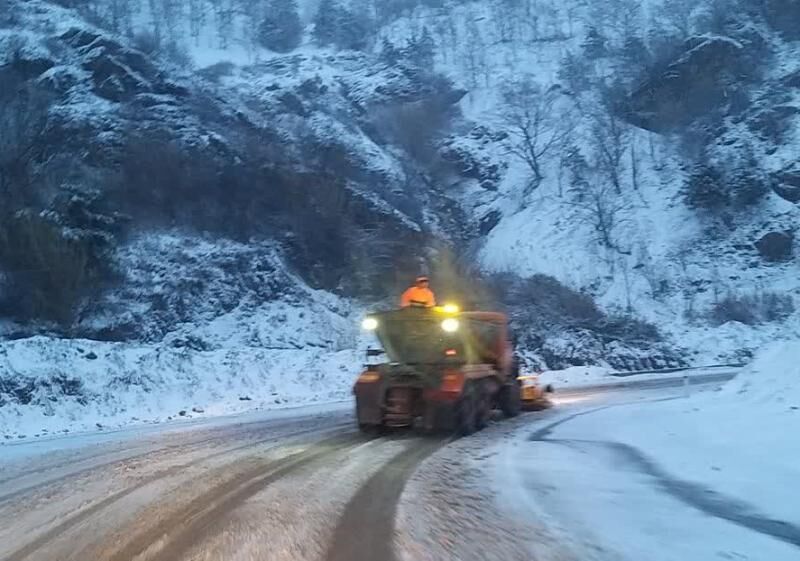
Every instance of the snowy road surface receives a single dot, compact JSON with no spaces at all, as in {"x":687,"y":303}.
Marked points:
{"x":307,"y":486}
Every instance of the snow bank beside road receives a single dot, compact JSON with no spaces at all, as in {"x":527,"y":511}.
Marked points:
{"x":594,"y":376}
{"x":741,"y":441}
{"x":276,"y":355}
{"x":50,"y":385}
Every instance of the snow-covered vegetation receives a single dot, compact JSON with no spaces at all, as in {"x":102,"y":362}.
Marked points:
{"x":621,"y":176}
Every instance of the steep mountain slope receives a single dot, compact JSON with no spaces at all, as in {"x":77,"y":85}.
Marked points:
{"x":196,"y":196}
{"x":610,"y":118}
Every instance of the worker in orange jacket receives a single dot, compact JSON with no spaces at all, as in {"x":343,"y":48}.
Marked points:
{"x":419,"y":295}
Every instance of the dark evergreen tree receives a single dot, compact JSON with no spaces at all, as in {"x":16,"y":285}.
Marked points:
{"x":705,"y":188}
{"x":594,"y":45}
{"x":577,"y":169}
{"x":747,"y":182}
{"x":281,"y":30}
{"x":575,"y":72}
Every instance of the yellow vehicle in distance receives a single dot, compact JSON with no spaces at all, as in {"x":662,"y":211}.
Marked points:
{"x":534,"y":395}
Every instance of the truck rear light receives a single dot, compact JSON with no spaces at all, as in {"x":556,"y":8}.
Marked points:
{"x":452,"y":382}
{"x":451,"y":352}
{"x":368,"y":377}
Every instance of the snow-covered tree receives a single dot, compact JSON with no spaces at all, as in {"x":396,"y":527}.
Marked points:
{"x":281,"y":29}
{"x":390,"y":54}
{"x":326,"y":22}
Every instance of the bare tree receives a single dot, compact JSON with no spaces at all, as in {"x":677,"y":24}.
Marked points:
{"x":634,"y":158}
{"x":474,"y":52}
{"x":155,"y":20}
{"x":534,"y":127}
{"x":197,"y":19}
{"x":224,"y":12}
{"x":505,"y":14}
{"x":610,"y":143}
{"x":624,"y":19}
{"x":598,"y":205}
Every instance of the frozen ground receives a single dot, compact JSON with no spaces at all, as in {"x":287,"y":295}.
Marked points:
{"x":709,"y":476}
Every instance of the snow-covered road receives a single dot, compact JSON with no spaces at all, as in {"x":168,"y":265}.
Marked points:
{"x":304,"y":485}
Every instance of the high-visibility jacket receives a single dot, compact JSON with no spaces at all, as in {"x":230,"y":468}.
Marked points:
{"x":416,"y":296}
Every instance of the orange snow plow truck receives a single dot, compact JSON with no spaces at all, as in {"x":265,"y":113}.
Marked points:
{"x":446,"y":369}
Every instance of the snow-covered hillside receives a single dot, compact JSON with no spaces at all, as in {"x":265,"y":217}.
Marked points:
{"x":623,"y":232}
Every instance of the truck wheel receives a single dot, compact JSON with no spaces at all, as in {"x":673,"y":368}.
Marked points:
{"x":510,"y":400}
{"x":466,"y":412}
{"x":371,"y":430}
{"x":483,"y":408}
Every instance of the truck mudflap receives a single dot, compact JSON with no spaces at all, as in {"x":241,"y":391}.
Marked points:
{"x":368,"y":390}
{"x":400,"y":406}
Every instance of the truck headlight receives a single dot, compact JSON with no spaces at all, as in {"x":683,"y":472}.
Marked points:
{"x":369,"y":324}
{"x":450,"y":325}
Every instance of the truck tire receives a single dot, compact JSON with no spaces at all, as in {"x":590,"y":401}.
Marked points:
{"x":483,"y":409}
{"x":467,"y":411}
{"x":509,"y":399}
{"x":371,"y":430}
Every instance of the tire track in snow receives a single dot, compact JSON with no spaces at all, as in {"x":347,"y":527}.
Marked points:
{"x":170,"y":539}
{"x":697,"y":496}
{"x":84,"y":514}
{"x":242,"y":431}
{"x":366,"y":529}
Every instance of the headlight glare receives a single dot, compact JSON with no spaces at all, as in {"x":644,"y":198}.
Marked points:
{"x":450,"y":325}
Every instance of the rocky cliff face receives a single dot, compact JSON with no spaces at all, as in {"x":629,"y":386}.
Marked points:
{"x":308,"y":154}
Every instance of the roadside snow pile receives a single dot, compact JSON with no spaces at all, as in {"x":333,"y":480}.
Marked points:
{"x":771,"y":385}
{"x":199,"y":327}
{"x":57,"y":385}
{"x":741,"y":441}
